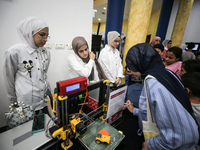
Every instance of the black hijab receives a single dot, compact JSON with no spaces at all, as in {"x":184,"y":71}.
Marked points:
{"x":145,"y":59}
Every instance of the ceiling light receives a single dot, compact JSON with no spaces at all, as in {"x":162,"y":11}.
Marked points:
{"x":104,"y":8}
{"x":95,"y":10}
{"x":99,"y":19}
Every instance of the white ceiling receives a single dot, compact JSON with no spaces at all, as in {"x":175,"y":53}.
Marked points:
{"x":101,"y":13}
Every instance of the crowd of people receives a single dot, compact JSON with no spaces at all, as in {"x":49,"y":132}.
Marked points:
{"x":170,"y":104}
{"x":173,"y":90}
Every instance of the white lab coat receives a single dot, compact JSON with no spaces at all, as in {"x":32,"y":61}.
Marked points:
{"x":78,"y":68}
{"x":20,"y":86}
{"x":111,"y":63}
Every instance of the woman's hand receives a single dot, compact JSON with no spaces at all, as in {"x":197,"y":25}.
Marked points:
{"x":92,"y":55}
{"x":145,"y":146}
{"x":117,"y":81}
{"x":129,"y":106}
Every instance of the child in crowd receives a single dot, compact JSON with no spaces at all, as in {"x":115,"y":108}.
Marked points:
{"x":160,"y":49}
{"x":191,"y":82}
{"x":190,"y":66}
{"x":168,"y":100}
{"x":167,"y":45}
{"x":172,"y":60}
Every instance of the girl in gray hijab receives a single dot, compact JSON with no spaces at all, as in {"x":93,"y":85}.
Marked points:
{"x":83,"y":63}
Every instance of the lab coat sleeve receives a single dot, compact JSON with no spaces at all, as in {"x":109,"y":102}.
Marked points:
{"x":9,"y":72}
{"x":103,"y":61}
{"x":49,"y":58}
{"x":82,"y":70}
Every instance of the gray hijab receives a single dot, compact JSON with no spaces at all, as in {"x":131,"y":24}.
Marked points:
{"x":76,"y":44}
{"x":112,"y":35}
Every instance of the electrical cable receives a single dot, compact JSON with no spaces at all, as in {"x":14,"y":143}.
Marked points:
{"x":86,"y":94}
{"x":46,"y":128}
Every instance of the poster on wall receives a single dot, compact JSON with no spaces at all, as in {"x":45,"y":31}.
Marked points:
{"x":116,"y":104}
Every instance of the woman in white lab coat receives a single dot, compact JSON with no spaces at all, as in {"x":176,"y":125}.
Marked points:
{"x":82,"y":62}
{"x":110,"y":60}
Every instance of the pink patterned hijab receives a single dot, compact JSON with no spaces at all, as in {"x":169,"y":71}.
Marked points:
{"x":154,"y":39}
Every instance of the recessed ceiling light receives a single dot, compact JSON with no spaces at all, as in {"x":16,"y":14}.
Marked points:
{"x":95,"y":10}
{"x":99,"y":19}
{"x":104,"y":8}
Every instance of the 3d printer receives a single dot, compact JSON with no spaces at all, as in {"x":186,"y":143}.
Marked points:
{"x":68,"y":91}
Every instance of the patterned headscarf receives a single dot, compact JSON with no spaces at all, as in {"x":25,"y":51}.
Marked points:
{"x":153,"y":40}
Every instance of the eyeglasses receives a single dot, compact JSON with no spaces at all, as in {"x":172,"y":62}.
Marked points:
{"x":117,"y":41}
{"x":44,"y":36}
{"x":81,"y":51}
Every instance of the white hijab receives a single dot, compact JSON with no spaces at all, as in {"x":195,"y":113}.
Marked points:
{"x":183,"y":46}
{"x":28,"y":27}
{"x":164,"y":43}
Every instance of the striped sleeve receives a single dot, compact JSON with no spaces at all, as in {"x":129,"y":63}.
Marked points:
{"x":178,"y":128}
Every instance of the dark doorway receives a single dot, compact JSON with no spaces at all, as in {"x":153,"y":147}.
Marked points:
{"x":148,"y":38}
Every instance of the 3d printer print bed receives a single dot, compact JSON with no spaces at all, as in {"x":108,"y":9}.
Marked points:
{"x":88,"y":139}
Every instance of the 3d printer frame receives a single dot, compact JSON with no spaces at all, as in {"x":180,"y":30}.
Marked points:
{"x":63,"y":106}
{"x":63,"y":101}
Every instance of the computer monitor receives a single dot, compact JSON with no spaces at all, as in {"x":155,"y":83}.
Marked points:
{"x":195,"y":47}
